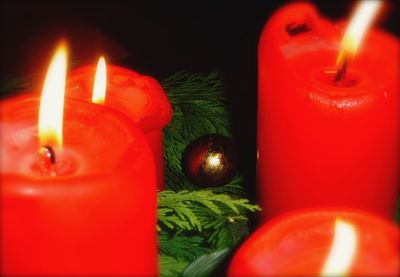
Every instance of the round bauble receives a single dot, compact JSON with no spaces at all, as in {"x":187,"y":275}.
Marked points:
{"x":210,"y":160}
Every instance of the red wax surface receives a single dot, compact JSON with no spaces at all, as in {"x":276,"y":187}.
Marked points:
{"x":139,"y":97}
{"x":320,"y":142}
{"x":298,"y":243}
{"x":97,"y":216}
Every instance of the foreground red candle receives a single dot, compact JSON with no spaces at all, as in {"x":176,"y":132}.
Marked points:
{"x":139,"y":97}
{"x":95,"y":214}
{"x":322,"y":142}
{"x":298,"y":243}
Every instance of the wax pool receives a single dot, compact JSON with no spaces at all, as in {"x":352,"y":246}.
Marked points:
{"x":321,"y":142}
{"x":97,"y":215}
{"x":298,"y":243}
{"x":141,"y":98}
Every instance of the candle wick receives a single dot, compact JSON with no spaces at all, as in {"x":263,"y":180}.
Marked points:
{"x":341,"y":72}
{"x":48,"y":153}
{"x":48,"y":159}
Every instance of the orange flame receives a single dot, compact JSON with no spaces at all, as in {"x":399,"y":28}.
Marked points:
{"x":364,"y":14}
{"x":52,"y":100}
{"x":343,"y":250}
{"x":100,"y":82}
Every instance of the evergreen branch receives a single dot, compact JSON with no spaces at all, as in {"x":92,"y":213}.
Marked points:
{"x":186,"y":248}
{"x":199,"y":108}
{"x":216,"y":215}
{"x":234,"y":187}
{"x":219,"y":218}
{"x":170,"y":266}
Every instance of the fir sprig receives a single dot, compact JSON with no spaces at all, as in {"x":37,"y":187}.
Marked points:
{"x":171,"y":266}
{"x":199,"y":108}
{"x":219,"y":218}
{"x":182,"y":247}
{"x":194,"y":225}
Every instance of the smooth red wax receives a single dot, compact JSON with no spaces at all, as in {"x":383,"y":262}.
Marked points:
{"x":139,"y":97}
{"x":97,"y":216}
{"x":297,"y":243}
{"x":320,"y":142}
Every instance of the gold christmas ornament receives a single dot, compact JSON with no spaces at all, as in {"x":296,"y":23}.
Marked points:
{"x":210,"y":160}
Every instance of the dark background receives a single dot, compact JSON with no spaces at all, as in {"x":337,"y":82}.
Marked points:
{"x":159,"y":39}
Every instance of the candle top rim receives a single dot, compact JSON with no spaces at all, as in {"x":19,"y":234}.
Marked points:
{"x":321,"y":33}
{"x":23,"y":110}
{"x":152,"y":88}
{"x":292,"y":234}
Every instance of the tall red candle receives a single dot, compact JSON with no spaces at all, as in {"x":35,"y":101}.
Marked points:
{"x":321,"y":142}
{"x":139,"y":97}
{"x":97,"y":216}
{"x":82,"y":207}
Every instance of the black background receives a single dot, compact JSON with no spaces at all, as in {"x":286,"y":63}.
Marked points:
{"x":159,"y":38}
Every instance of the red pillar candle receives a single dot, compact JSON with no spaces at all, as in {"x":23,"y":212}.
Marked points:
{"x":97,"y":216}
{"x":322,"y":142}
{"x":85,"y":205}
{"x":300,"y":243}
{"x":139,"y":97}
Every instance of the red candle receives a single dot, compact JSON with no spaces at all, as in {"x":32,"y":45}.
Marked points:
{"x":307,"y":243}
{"x":324,"y":141}
{"x":88,"y":208}
{"x":139,"y":97}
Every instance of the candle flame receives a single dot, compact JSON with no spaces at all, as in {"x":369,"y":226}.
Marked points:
{"x":52,"y":100}
{"x":364,"y":14}
{"x":343,"y":250}
{"x":100,"y":82}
